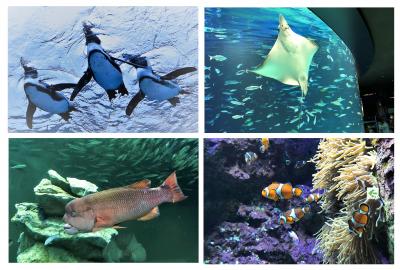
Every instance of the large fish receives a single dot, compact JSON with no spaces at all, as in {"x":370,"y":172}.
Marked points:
{"x":107,"y":208}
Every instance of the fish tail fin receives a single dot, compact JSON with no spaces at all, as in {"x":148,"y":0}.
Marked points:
{"x":297,"y":192}
{"x":210,"y":57}
{"x":172,"y":184}
{"x":260,"y":86}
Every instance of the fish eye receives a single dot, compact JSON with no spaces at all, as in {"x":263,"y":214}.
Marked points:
{"x":73,"y":214}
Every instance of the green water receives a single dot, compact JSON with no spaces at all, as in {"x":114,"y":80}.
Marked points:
{"x":172,"y":237}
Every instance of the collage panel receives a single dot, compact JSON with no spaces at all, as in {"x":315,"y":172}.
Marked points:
{"x":103,"y":200}
{"x":298,"y":201}
{"x":103,"y":69}
{"x":316,"y":70}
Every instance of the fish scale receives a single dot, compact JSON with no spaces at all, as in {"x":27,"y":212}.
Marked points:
{"x":126,"y":203}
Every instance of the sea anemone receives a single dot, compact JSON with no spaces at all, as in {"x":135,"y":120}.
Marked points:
{"x":345,"y":170}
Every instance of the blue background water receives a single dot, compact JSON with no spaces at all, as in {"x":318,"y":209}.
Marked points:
{"x":245,"y":36}
{"x":172,"y":237}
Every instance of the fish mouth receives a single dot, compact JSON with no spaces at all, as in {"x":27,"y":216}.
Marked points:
{"x":68,"y":228}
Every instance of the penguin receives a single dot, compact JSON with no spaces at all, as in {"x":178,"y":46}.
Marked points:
{"x":44,"y":96}
{"x":101,"y":66}
{"x":153,"y":86}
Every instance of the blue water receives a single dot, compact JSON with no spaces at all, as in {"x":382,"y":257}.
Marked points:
{"x":245,"y":36}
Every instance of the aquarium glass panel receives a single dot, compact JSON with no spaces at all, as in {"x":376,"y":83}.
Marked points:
{"x":237,"y":40}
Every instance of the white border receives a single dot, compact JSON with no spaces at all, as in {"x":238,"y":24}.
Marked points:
{"x":201,"y":4}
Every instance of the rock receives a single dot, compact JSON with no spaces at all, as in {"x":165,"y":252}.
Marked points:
{"x":38,"y":253}
{"x":385,"y":173}
{"x":257,"y":237}
{"x":88,"y":246}
{"x":58,"y":180}
{"x":52,"y":199}
{"x":81,"y":188}
{"x":136,"y":251}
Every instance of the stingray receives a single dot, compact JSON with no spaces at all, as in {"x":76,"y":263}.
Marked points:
{"x":289,"y":59}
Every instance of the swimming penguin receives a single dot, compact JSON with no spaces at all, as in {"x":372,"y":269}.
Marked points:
{"x":153,"y":86}
{"x":44,"y":96}
{"x":101,"y":66}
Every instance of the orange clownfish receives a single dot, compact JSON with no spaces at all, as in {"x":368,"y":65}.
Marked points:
{"x":359,"y":220}
{"x":293,"y":215}
{"x":277,"y":191}
{"x":264,"y":145}
{"x":314,"y":197}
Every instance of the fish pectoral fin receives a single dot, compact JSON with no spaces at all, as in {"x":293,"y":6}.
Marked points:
{"x":142,"y":184}
{"x":150,"y":215}
{"x":118,"y":227}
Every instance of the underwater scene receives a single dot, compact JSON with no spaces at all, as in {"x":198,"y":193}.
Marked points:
{"x":102,"y":69}
{"x":299,"y":201}
{"x":277,"y":70}
{"x":103,"y":200}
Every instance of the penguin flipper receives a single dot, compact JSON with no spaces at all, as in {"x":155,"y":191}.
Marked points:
{"x":179,"y":72}
{"x":134,"y":102}
{"x":85,"y":79}
{"x":174,"y":101}
{"x":62,"y":86}
{"x":29,"y":114}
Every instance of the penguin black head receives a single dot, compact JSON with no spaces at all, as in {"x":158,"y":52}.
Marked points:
{"x":29,"y":71}
{"x":137,"y":60}
{"x":89,"y":35}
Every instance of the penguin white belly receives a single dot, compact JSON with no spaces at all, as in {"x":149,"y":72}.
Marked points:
{"x":45,"y":102}
{"x":105,"y":74}
{"x":158,"y":91}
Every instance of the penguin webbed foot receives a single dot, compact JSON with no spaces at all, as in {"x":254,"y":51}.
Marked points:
{"x":174,"y":101}
{"x":111,"y":94}
{"x":66,"y":116}
{"x":122,"y":90}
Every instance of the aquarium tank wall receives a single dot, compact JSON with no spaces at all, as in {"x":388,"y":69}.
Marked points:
{"x":238,"y":40}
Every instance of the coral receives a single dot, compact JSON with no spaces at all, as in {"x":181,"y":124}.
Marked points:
{"x":257,"y":238}
{"x":346,"y":172}
{"x":43,"y":229}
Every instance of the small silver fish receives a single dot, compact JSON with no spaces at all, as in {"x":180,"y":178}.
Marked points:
{"x":253,"y":87}
{"x":249,"y":157}
{"x":237,"y":116}
{"x":18,"y":167}
{"x":218,"y":57}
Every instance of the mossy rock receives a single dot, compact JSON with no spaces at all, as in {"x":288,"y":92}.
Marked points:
{"x":89,"y":246}
{"x":52,"y":199}
{"x":39,"y":253}
{"x":81,"y":188}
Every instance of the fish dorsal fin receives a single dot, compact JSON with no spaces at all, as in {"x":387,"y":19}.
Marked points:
{"x":142,"y":184}
{"x":150,"y":215}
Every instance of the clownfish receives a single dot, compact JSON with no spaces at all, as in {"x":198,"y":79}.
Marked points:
{"x":264,"y":145}
{"x":359,"y":220}
{"x":293,"y":215}
{"x":277,"y":191}
{"x":314,"y":197}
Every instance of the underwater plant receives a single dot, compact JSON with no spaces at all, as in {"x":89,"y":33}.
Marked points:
{"x":346,"y":171}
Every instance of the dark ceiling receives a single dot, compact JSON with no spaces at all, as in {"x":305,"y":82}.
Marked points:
{"x":369,"y":34}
